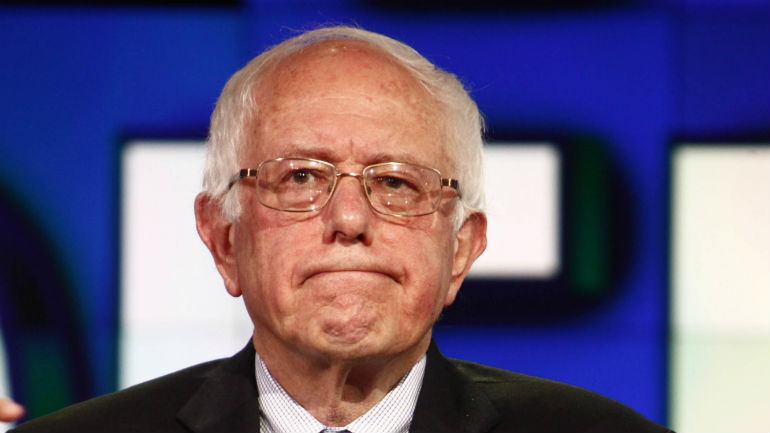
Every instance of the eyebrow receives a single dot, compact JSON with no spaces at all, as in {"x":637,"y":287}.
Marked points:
{"x":394,"y":157}
{"x":303,"y":151}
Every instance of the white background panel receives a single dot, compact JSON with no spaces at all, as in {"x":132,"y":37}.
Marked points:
{"x":175,"y":310}
{"x":721,"y":289}
{"x":522,"y":187}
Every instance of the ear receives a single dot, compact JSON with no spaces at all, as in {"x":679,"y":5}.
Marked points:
{"x":470,"y":242}
{"x":218,"y":233}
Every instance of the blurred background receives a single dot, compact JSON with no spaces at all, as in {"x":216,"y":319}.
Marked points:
{"x":646,"y":126}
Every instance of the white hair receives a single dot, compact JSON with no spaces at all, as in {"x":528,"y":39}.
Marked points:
{"x":237,"y":107}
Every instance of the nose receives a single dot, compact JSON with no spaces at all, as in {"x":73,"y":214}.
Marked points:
{"x":348,"y":214}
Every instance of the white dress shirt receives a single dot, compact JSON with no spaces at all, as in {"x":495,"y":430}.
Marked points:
{"x":282,"y":414}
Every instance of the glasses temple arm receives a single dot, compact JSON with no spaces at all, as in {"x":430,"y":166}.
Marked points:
{"x":452,"y":183}
{"x":244,"y":172}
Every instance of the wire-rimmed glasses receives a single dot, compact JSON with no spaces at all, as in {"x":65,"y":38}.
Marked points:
{"x":304,"y":185}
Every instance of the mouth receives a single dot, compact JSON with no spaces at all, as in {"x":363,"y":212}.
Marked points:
{"x":349,"y":271}
{"x":348,"y":274}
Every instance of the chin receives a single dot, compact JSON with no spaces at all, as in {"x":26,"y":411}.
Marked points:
{"x":354,"y":344}
{"x":350,"y":323}
{"x":334,"y":351}
{"x":347,"y":340}
{"x":370,"y":347}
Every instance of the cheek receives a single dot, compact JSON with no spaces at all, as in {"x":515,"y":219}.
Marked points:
{"x":425,"y":304}
{"x":429,"y":262}
{"x":272,"y":236}
{"x":428,"y":247}
{"x":268,"y":250}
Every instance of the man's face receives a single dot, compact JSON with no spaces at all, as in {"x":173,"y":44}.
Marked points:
{"x":344,"y":281}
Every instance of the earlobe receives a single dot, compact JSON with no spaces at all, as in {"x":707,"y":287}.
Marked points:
{"x":218,"y":233}
{"x":470,"y":242}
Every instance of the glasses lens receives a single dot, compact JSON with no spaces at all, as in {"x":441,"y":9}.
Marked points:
{"x":295,"y":184}
{"x":403,"y":189}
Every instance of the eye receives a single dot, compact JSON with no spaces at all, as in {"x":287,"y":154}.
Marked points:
{"x":300,"y":176}
{"x":393,"y":182}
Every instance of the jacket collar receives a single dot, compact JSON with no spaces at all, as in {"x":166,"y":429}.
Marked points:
{"x":228,"y":401}
{"x":449,"y":401}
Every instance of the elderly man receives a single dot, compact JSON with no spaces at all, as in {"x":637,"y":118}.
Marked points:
{"x":343,"y":195}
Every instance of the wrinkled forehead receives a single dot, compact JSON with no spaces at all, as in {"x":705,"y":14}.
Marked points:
{"x":341,"y":69}
{"x":337,"y":63}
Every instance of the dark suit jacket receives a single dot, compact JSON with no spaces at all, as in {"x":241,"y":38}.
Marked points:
{"x":456,"y":396}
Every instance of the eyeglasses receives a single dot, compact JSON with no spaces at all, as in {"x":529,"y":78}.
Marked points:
{"x":304,"y":185}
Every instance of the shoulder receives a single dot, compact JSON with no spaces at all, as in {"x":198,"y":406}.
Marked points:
{"x":536,"y":404}
{"x":149,"y":406}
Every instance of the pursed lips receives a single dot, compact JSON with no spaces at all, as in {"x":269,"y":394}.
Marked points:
{"x":350,"y":268}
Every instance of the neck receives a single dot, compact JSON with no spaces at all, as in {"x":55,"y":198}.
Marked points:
{"x":336,"y":390}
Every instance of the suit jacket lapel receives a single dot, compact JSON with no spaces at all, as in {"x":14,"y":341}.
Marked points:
{"x":227,"y":400}
{"x":449,"y":401}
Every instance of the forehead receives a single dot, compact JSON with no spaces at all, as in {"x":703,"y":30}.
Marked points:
{"x":337,"y":64}
{"x":345,"y":92}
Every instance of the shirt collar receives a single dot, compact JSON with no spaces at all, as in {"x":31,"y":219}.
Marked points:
{"x":281,"y":413}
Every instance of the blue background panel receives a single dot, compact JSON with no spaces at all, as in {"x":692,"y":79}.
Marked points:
{"x":80,"y":80}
